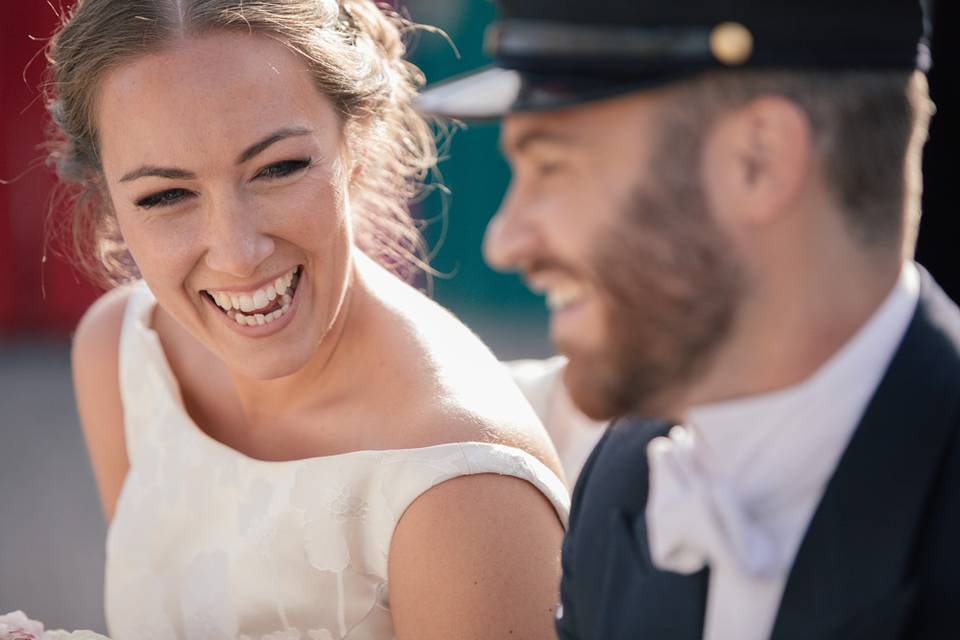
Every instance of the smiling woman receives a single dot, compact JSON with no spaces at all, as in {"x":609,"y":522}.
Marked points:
{"x":287,"y":438}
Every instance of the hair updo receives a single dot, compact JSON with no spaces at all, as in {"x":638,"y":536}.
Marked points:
{"x":354,"y":50}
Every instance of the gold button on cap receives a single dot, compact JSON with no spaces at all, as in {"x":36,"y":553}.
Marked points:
{"x":731,"y":43}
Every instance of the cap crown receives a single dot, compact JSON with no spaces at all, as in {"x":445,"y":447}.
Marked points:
{"x":551,"y":54}
{"x":650,"y":13}
{"x":819,"y":33}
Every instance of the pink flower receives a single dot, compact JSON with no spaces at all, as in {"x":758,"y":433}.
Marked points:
{"x":17,"y":626}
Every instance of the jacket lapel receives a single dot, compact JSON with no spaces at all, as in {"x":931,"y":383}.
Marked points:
{"x":639,"y":601}
{"x":857,"y":550}
{"x":661,"y":604}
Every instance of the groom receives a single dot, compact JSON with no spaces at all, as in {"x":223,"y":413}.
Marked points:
{"x":719,"y":201}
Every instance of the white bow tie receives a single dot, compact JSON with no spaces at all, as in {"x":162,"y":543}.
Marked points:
{"x":694,"y":520}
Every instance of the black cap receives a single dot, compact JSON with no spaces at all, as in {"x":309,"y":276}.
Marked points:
{"x":554,"y":53}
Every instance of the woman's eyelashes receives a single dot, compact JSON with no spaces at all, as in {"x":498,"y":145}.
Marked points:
{"x":170,"y":197}
{"x":283,"y":168}
{"x":165,"y":198}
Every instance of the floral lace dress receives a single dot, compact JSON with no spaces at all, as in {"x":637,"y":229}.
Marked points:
{"x":209,"y":543}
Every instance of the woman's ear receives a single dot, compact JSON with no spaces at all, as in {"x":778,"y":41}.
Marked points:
{"x":356,"y":171}
{"x":757,"y":160}
{"x":351,"y":165}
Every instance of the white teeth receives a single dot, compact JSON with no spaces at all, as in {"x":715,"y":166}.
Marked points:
{"x":259,"y":319}
{"x":248,"y":302}
{"x":562,"y":297}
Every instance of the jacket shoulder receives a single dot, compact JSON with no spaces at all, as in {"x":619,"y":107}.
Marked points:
{"x":935,"y":331}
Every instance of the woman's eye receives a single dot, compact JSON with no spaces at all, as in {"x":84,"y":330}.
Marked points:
{"x":283,"y":169}
{"x":163,"y":198}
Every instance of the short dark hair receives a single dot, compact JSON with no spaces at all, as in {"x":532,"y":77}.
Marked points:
{"x":868,"y":126}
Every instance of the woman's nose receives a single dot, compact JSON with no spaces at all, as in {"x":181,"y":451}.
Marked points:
{"x":236,"y":242}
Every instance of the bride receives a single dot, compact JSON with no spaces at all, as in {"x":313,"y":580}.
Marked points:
{"x":289,"y":440}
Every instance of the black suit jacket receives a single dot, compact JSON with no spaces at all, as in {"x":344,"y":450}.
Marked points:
{"x":880,"y":559}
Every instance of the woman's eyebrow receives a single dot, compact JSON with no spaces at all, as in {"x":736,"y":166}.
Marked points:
{"x":276,"y":136}
{"x":159,"y":172}
{"x":173,"y":173}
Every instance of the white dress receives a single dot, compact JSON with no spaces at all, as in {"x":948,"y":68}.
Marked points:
{"x":209,"y":543}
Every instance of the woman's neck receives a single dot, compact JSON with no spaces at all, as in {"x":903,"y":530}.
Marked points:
{"x":328,"y":377}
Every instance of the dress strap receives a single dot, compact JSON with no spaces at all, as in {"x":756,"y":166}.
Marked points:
{"x":143,"y":376}
{"x":403,"y":475}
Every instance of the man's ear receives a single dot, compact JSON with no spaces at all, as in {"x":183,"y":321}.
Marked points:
{"x":757,"y":160}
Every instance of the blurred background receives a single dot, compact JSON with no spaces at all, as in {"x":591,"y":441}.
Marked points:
{"x":51,"y":528}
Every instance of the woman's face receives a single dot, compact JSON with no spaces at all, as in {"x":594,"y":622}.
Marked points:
{"x":224,"y":166}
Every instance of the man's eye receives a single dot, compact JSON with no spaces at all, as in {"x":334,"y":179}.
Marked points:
{"x":163,"y":198}
{"x":283,"y":169}
{"x":549,"y":168}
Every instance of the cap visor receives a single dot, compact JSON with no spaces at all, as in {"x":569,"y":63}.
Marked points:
{"x":481,"y":95}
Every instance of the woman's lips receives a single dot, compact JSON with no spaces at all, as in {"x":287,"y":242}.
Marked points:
{"x":256,"y":323}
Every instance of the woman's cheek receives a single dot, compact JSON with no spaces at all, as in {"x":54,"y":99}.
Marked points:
{"x":169,"y":240}
{"x":166,"y":251}
{"x":311,"y":211}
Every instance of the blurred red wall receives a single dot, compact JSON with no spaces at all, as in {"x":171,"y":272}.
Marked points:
{"x":35,"y":297}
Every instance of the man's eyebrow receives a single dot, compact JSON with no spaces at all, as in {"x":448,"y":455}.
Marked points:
{"x":534,"y":136}
{"x":276,"y":136}
{"x":172,"y":173}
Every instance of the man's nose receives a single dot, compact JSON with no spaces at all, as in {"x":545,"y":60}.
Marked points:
{"x":511,"y":237}
{"x":236,"y":241}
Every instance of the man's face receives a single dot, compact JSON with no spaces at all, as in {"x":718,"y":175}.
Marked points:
{"x":607,"y":218}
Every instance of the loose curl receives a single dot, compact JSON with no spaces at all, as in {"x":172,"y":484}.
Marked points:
{"x":355,"y":51}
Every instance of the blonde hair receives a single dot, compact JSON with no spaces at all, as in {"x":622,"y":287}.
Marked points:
{"x":355,"y":51}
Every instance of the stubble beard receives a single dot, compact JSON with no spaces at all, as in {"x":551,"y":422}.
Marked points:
{"x":670,"y":284}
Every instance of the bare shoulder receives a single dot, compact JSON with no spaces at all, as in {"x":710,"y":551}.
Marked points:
{"x":101,"y":323}
{"x":94,"y":359}
{"x":96,"y":342}
{"x":461,"y":391}
{"x":476,"y":557}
